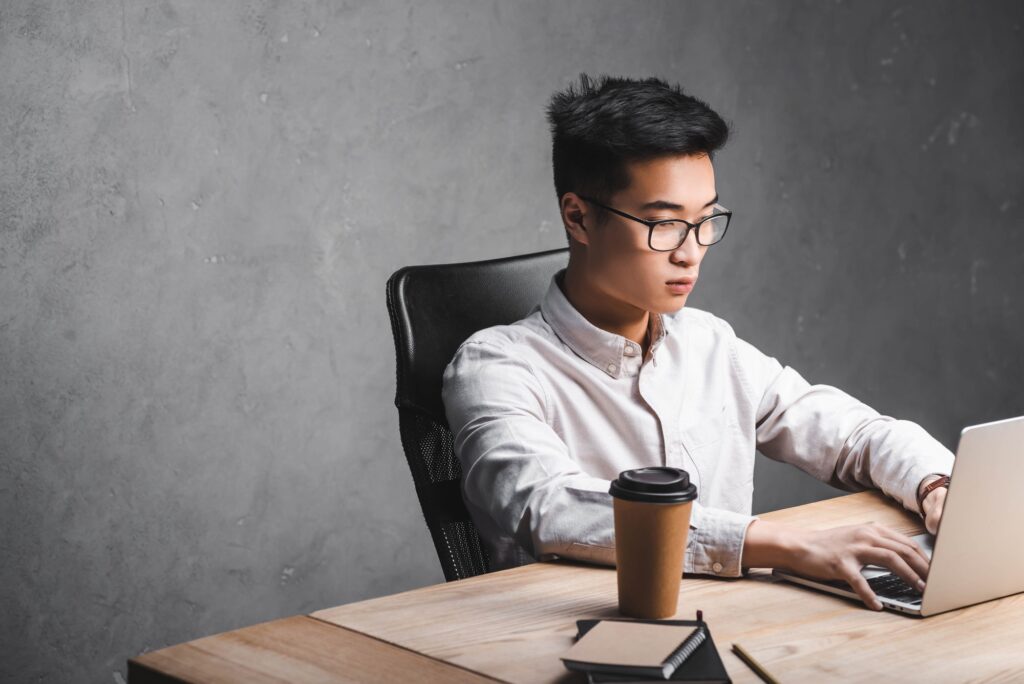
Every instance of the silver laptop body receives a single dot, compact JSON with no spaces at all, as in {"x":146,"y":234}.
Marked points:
{"x":978,"y":553}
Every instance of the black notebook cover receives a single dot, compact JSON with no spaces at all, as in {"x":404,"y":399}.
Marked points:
{"x":702,"y":666}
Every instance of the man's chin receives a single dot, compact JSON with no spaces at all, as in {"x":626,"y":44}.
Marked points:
{"x":672,"y":306}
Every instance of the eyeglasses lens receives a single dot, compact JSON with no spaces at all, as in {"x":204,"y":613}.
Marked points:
{"x":667,"y":236}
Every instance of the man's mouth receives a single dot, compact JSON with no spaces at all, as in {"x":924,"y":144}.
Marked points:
{"x":681,"y":285}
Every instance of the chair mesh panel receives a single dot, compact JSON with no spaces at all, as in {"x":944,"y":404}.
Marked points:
{"x":434,"y":444}
{"x":429,"y":448}
{"x":464,"y":544}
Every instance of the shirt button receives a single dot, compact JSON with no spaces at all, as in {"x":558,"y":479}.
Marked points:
{"x":611,"y":367}
{"x":628,"y":351}
{"x":717,"y":567}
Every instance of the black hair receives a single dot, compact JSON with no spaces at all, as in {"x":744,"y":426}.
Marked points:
{"x":598,"y":126}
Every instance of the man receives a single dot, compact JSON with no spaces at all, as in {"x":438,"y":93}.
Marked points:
{"x":612,"y":371}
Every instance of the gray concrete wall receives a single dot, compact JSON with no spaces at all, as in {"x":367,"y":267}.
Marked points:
{"x":201,"y":202}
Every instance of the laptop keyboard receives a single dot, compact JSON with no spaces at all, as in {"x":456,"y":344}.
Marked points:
{"x":895,"y":587}
{"x":890,"y":586}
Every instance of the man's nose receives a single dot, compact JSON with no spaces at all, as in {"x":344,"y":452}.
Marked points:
{"x":689,"y":252}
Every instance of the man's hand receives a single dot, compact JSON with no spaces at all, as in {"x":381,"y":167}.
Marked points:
{"x":933,"y":505}
{"x":837,"y":553}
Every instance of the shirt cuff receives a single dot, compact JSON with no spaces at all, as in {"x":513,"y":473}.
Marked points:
{"x":715,"y":544}
{"x":930,"y":457}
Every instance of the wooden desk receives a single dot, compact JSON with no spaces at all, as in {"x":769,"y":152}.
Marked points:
{"x":513,"y":625}
{"x":295,"y":649}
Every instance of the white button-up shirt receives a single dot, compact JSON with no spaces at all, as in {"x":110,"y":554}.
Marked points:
{"x":547,"y":411}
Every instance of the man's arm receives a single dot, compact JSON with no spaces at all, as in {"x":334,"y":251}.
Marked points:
{"x":834,"y":437}
{"x":838,"y":439}
{"x":517,"y":469}
{"x":837,"y":553}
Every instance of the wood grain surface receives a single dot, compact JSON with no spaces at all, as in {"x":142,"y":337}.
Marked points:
{"x":297,"y":649}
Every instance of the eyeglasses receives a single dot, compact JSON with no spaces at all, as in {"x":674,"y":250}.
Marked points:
{"x":666,"y":235}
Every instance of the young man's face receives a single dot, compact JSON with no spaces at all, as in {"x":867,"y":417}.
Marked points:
{"x":618,"y":260}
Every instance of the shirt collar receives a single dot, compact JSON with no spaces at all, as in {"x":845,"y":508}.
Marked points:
{"x":600,"y":348}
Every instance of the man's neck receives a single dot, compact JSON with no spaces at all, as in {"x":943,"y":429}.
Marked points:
{"x":608,"y":315}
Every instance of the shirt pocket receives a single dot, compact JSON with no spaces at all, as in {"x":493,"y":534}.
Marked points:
{"x":704,"y":441}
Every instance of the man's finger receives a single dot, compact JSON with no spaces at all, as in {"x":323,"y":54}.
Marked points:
{"x":891,"y":559}
{"x":863,"y":589}
{"x":921,"y":563}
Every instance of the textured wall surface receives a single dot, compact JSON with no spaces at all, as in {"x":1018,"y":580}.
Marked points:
{"x":200,"y":203}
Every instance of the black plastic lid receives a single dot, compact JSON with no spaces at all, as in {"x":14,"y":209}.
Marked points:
{"x":657,"y":484}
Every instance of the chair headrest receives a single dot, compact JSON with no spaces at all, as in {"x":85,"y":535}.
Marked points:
{"x":435,"y":308}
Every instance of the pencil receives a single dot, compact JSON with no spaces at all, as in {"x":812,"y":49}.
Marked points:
{"x":754,"y":665}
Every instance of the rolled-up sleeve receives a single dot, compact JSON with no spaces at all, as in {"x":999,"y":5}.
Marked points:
{"x":834,"y":437}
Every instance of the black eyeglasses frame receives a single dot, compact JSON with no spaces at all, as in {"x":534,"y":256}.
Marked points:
{"x":651,"y":224}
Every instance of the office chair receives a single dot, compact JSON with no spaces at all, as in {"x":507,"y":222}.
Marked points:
{"x":433,"y":310}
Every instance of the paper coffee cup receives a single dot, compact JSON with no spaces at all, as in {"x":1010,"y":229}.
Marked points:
{"x":652,"y":521}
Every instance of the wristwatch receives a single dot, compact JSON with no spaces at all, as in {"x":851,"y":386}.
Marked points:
{"x":942,"y":481}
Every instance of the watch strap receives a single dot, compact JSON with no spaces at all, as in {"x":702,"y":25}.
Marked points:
{"x":942,"y":481}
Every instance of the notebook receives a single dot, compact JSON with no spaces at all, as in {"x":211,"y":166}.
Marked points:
{"x":633,"y":648}
{"x":701,"y":666}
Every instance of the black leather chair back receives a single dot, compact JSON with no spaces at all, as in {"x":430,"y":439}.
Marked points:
{"x":433,"y":310}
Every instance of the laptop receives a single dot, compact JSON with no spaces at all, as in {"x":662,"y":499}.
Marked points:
{"x":978,"y":553}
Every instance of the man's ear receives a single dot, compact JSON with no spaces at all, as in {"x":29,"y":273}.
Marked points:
{"x":574,"y":210}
